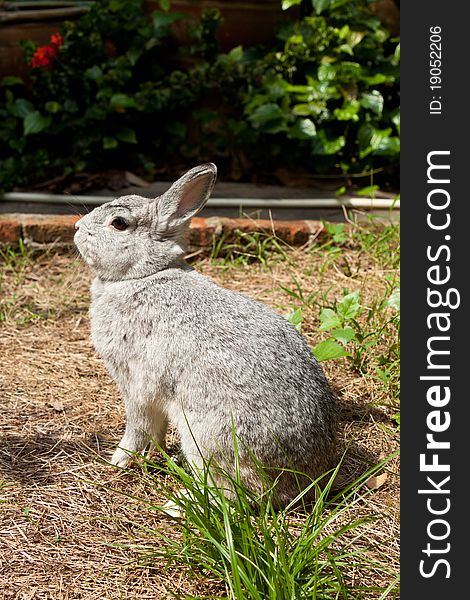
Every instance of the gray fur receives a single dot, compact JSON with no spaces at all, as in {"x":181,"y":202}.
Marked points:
{"x":183,"y":349}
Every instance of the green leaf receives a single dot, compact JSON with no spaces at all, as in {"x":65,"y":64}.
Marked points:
{"x":22,"y":108}
{"x":349,"y":306}
{"x":277,"y":88}
{"x":377,"y":79}
{"x":127,"y":135}
{"x":396,"y":119}
{"x":320,"y":5}
{"x":109,"y":143}
{"x":368,"y":191}
{"x":327,"y":72}
{"x":303,"y":129}
{"x":343,"y":32}
{"x":302,"y":110}
{"x":177,"y":130}
{"x":336,"y":230}
{"x":295,"y":318}
{"x":394,"y":299}
{"x":388,"y":146}
{"x":329,"y":350}
{"x":236,"y":53}
{"x":343,"y":335}
{"x":295,"y":39}
{"x":329,"y":319}
{"x":348,"y":112}
{"x":34,"y":122}
{"x":266,"y":113}
{"x":371,"y":139}
{"x":288,"y":3}
{"x":121,"y":101}
{"x":373,"y":101}
{"x":322,"y":143}
{"x":162,"y":20}
{"x":133,"y":54}
{"x":355,"y":37}
{"x":10,"y":80}
{"x":52,"y":107}
{"x":94,"y":73}
{"x":349,"y":71}
{"x":165,"y":5}
{"x":347,"y":49}
{"x":396,"y":56}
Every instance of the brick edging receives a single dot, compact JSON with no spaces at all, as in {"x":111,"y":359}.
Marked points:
{"x":46,"y":230}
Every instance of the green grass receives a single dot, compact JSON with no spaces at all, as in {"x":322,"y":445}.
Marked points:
{"x":245,"y":248}
{"x":257,"y":552}
{"x":14,"y":261}
{"x":364,"y":333}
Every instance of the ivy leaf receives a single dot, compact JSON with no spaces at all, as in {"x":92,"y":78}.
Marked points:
{"x":322,"y":143}
{"x":396,"y":56}
{"x":303,"y":129}
{"x":396,"y":119}
{"x":327,"y":72}
{"x":34,"y":122}
{"x":355,"y":37}
{"x":371,"y":139}
{"x":94,"y":73}
{"x":10,"y":80}
{"x":121,"y":101}
{"x":376,"y":79}
{"x":388,"y":146}
{"x":329,"y":350}
{"x":127,"y":135}
{"x":269,"y":117}
{"x":302,"y":110}
{"x":320,"y":5}
{"x":373,"y":101}
{"x":52,"y":107}
{"x":109,"y":143}
{"x":21,"y":108}
{"x":288,"y":3}
{"x":348,"y":112}
{"x":133,"y":55}
{"x":236,"y":53}
{"x":162,"y":20}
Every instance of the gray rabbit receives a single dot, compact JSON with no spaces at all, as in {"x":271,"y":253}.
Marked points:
{"x":210,"y":360}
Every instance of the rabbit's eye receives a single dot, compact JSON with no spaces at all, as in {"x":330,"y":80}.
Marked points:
{"x":119,"y":223}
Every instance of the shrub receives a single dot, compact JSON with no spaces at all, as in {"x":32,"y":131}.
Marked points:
{"x":106,"y":92}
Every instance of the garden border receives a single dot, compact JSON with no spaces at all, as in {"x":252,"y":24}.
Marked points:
{"x":58,"y":230}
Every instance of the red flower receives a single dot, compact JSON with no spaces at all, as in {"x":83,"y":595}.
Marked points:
{"x":42,"y":57}
{"x":44,"y":54}
{"x":56,"y":40}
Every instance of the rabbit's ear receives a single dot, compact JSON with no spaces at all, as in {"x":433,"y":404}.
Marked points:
{"x":186,"y":196}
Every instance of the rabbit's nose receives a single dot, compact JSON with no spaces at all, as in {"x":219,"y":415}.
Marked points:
{"x":77,"y":224}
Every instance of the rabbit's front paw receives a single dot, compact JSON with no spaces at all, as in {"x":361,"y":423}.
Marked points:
{"x":121,"y":458}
